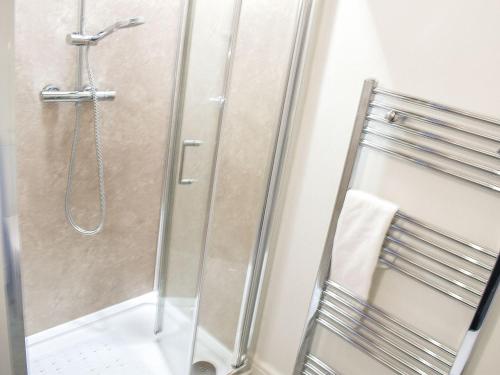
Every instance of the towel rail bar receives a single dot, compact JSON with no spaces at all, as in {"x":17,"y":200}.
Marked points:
{"x":446,"y":250}
{"x":388,"y":341}
{"x":368,"y":349}
{"x":430,"y":150}
{"x":433,"y":137}
{"x":452,"y":237}
{"x":313,"y":368}
{"x":432,"y":121}
{"x":438,"y":288}
{"x":407,"y":340}
{"x":437,"y":274}
{"x":440,"y":262}
{"x":322,"y":365}
{"x":435,"y":106}
{"x":391,"y":318}
{"x":430,"y":165}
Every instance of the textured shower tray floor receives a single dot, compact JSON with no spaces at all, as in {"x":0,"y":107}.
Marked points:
{"x":119,"y":341}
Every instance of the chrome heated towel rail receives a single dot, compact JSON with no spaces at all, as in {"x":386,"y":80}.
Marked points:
{"x":398,"y":126}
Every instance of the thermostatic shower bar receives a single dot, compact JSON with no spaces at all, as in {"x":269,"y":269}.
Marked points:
{"x":86,"y":93}
{"x":51,"y":94}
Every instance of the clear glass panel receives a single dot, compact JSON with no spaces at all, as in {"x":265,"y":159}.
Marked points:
{"x":248,"y":136}
{"x":205,"y":73}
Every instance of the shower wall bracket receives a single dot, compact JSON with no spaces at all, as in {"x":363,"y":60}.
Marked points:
{"x":52,"y":94}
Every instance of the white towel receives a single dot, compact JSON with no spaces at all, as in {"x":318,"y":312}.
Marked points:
{"x":361,"y":229}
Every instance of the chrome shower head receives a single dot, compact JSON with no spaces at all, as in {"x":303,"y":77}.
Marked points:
{"x":83,"y":40}
{"x":123,"y":24}
{"x":130,"y":22}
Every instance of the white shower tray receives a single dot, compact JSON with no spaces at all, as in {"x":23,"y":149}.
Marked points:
{"x":119,"y":340}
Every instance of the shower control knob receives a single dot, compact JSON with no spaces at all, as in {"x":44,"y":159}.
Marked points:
{"x":48,"y":89}
{"x":51,"y":88}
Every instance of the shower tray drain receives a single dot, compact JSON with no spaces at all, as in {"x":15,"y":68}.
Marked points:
{"x":203,"y":368}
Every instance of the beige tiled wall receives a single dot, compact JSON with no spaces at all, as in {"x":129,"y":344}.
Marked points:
{"x":65,"y":274}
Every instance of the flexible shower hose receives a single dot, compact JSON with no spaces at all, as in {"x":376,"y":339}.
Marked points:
{"x":99,"y":157}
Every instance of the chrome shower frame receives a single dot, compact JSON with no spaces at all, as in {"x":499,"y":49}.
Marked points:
{"x":257,"y":264}
{"x":258,"y":261}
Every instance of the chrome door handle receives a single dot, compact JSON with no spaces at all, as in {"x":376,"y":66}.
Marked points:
{"x":185,"y":144}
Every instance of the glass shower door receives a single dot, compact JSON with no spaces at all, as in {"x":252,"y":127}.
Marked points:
{"x":204,"y":63}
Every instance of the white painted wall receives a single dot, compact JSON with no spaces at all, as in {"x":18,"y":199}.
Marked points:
{"x":447,"y":51}
{"x":6,"y":144}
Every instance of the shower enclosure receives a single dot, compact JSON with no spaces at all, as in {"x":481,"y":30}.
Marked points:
{"x":193,"y":145}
